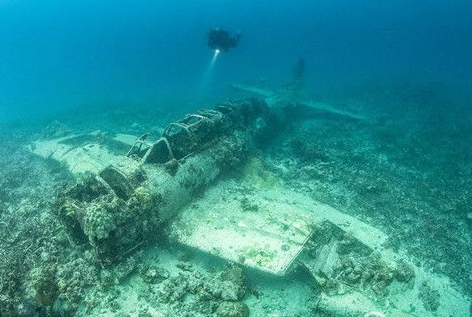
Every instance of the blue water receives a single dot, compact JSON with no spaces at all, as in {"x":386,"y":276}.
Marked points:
{"x":56,"y":55}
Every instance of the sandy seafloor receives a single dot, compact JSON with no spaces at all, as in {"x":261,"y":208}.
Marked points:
{"x":407,"y":170}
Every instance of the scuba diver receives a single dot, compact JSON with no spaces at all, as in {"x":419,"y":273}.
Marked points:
{"x":298,"y":78}
{"x":222,"y":40}
{"x":299,"y":70}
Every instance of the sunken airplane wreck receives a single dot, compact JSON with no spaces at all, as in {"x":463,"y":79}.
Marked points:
{"x":175,"y":186}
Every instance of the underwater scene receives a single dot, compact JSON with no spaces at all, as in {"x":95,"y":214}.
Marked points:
{"x":235,"y":158}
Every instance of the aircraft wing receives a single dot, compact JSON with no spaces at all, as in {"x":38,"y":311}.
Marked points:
{"x":272,"y":97}
{"x":262,"y":229}
{"x":266,"y":93}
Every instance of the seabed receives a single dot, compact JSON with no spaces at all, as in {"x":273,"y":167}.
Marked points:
{"x":352,"y":212}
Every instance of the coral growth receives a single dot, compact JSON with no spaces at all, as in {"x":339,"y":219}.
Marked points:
{"x":369,"y":272}
{"x":429,"y":296}
{"x":100,"y":217}
{"x":232,"y":309}
{"x":202,"y":294}
{"x":45,"y":286}
{"x":256,"y":173}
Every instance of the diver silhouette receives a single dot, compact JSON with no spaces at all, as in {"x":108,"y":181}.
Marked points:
{"x":219,"y":39}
